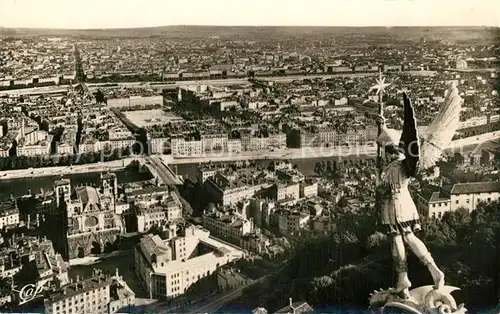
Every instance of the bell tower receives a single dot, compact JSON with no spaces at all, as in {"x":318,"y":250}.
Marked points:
{"x":63,"y":190}
{"x":109,"y":184}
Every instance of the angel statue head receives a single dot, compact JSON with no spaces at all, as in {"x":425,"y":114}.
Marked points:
{"x":389,"y":140}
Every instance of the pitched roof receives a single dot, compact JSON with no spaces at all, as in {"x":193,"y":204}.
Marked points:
{"x":476,"y":187}
{"x":296,"y":308}
{"x":88,"y":194}
{"x":259,"y":310}
{"x":152,"y":245}
{"x":437,"y":197}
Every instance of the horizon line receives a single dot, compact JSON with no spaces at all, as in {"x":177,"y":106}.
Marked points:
{"x":255,"y":26}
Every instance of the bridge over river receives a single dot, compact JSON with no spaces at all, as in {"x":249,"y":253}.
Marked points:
{"x":161,"y":170}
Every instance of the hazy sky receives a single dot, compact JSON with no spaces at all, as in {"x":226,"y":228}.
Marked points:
{"x":140,"y":13}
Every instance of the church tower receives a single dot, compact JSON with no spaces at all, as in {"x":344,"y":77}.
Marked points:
{"x":109,"y":185}
{"x":63,"y":190}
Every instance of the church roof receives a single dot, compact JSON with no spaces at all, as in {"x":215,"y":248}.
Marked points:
{"x":88,"y":194}
{"x":61,"y":182}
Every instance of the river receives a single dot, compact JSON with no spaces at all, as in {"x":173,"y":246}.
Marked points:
{"x":20,"y":187}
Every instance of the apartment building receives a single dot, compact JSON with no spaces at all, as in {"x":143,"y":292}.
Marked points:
{"x":167,"y":210}
{"x":99,"y":294}
{"x":308,"y":189}
{"x":227,"y":225}
{"x":226,"y":190}
{"x":204,"y":171}
{"x":9,"y":215}
{"x":159,"y":145}
{"x":291,"y":221}
{"x":285,"y":191}
{"x":181,"y":146}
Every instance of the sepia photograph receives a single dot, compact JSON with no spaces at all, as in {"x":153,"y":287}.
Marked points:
{"x":250,"y":156}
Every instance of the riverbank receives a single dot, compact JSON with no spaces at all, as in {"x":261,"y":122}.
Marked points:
{"x":65,"y":170}
{"x":298,"y":153}
{"x":19,"y":187}
{"x":462,"y":146}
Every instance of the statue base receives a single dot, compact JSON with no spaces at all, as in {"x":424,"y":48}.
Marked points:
{"x":422,"y":300}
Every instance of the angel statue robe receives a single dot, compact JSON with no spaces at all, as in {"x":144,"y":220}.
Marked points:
{"x":398,"y":213}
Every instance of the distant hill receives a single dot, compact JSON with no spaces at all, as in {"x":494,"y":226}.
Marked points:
{"x":267,"y":32}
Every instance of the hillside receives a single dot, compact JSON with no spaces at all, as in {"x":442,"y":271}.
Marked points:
{"x":341,"y":269}
{"x":270,"y":32}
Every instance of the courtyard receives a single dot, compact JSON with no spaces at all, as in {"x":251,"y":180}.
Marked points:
{"x":144,"y":118}
{"x":125,"y":265}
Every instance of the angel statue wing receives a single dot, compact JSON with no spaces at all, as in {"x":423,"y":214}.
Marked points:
{"x":409,"y":141}
{"x":442,"y":129}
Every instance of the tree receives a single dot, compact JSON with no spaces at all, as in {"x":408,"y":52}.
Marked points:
{"x":99,"y":97}
{"x":354,"y":261}
{"x":318,"y":168}
{"x":320,"y":289}
{"x":342,"y":202}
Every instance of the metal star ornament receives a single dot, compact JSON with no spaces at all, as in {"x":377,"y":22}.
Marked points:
{"x":381,"y":85}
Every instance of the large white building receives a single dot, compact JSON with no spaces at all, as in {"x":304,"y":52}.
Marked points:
{"x":460,"y":195}
{"x":33,"y":142}
{"x":92,"y":145}
{"x":135,"y":101}
{"x":169,"y":267}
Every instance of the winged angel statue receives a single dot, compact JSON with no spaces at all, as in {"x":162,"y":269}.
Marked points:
{"x":408,"y":154}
